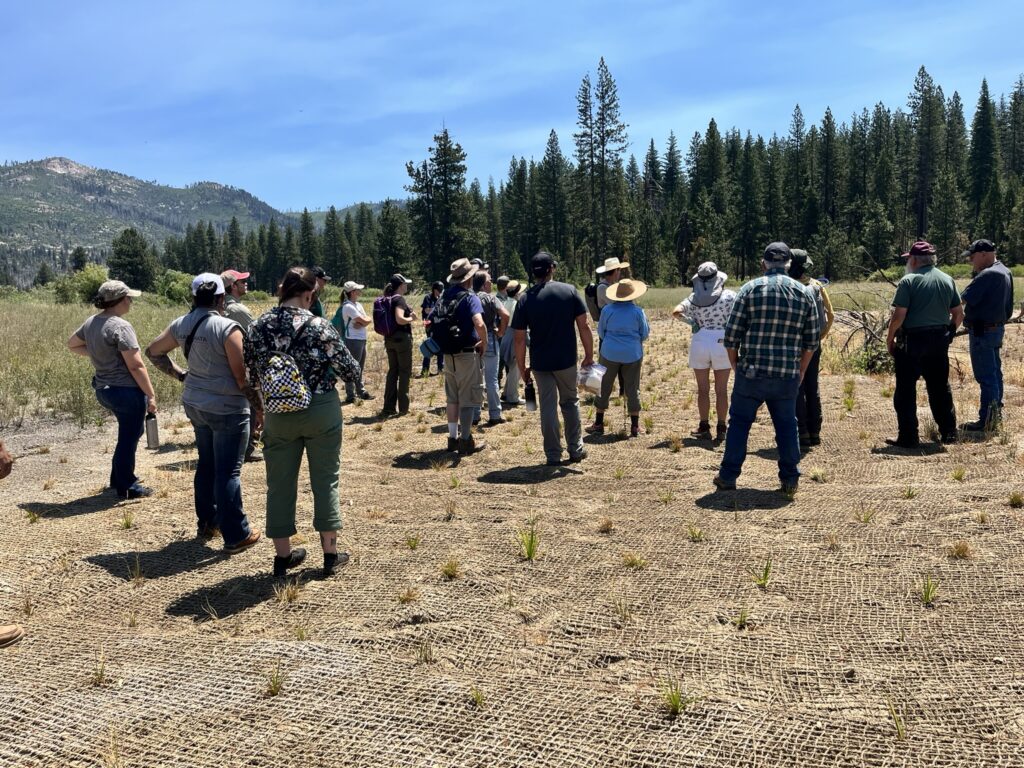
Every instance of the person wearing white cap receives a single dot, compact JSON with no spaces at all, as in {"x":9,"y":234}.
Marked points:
{"x":351,"y":322}
{"x":707,"y":309}
{"x":217,"y":399}
{"x":121,"y":381}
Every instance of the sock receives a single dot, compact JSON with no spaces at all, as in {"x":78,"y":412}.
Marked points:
{"x":599,"y":418}
{"x":453,"y":429}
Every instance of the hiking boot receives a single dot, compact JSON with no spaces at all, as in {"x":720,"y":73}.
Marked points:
{"x":453,"y":445}
{"x":292,"y":560}
{"x":10,"y":634}
{"x":349,"y":400}
{"x":576,"y":458}
{"x":973,"y":426}
{"x":248,"y":541}
{"x":595,"y":429}
{"x":553,"y":463}
{"x":702,"y":432}
{"x":334,"y":561}
{"x":476,"y":421}
{"x":254,"y":457}
{"x":790,"y":489}
{"x":135,"y":492}
{"x":637,"y":431}
{"x":902,"y":443}
{"x":805,"y":441}
{"x":720,"y":431}
{"x":495,"y":422}
{"x":364,"y":395}
{"x":723,"y":485}
{"x":949,"y":438}
{"x":207,"y":532}
{"x":469,"y":446}
{"x":814,"y":439}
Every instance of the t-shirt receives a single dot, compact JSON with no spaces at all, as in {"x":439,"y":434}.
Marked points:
{"x":427,"y":305}
{"x":490,"y":304}
{"x":602,"y":294}
{"x":988,"y":298}
{"x":549,"y":311}
{"x":927,"y":294}
{"x":237,"y":311}
{"x":400,"y":302}
{"x":210,"y":385}
{"x":317,"y":307}
{"x":464,"y":312}
{"x":106,"y":337}
{"x":346,"y":325}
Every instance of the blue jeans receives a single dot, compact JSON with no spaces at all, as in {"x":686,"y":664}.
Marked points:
{"x":491,"y":360}
{"x":988,"y":367}
{"x":128,"y":404}
{"x":747,"y":396}
{"x":220,"y":441}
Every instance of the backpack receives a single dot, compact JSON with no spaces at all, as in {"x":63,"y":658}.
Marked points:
{"x":445,"y":330}
{"x":384,"y":321}
{"x":283,"y":386}
{"x":590,"y":296}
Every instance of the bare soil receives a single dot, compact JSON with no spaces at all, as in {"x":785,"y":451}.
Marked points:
{"x":147,"y":647}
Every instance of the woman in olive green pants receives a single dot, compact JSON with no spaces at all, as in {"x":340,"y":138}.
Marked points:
{"x":321,"y":358}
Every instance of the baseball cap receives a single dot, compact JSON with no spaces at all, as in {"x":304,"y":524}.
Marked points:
{"x":205,"y":281}
{"x":480,"y":263}
{"x":397,"y":279}
{"x":542,"y":263}
{"x":502,"y":282}
{"x":232,"y":276}
{"x":777,"y":253}
{"x":920,"y":248}
{"x":979,"y":246}
{"x":321,"y":275}
{"x":351,"y":285}
{"x":800,"y":257}
{"x":112,"y":290}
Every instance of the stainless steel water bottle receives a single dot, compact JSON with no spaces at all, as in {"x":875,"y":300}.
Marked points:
{"x":152,"y":432}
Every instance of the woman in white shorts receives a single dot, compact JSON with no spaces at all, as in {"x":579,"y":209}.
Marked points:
{"x":707,"y":309}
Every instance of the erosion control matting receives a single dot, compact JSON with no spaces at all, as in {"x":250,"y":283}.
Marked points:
{"x":147,"y":647}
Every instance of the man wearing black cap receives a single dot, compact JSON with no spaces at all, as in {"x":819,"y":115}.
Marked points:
{"x":926,"y":313}
{"x":552,"y":312}
{"x":988,"y":304}
{"x":772,"y":333}
{"x":322,"y":279}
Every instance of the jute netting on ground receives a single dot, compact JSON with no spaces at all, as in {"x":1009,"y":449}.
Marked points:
{"x":147,"y":647}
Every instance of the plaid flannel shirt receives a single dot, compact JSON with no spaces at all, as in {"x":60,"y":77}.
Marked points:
{"x":773,"y":320}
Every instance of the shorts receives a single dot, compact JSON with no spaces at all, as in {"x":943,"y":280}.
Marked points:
{"x":463,"y":379}
{"x":707,"y":350}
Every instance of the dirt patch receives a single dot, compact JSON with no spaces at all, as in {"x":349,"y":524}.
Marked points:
{"x":148,"y":647}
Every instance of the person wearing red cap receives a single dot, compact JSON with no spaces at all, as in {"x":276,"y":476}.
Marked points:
{"x":926,"y":313}
{"x":237,"y":285}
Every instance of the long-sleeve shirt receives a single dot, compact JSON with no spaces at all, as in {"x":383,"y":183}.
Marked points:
{"x":623,"y":329}
{"x":773,"y":321}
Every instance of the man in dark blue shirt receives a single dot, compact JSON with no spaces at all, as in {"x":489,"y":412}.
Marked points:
{"x":988,"y":304}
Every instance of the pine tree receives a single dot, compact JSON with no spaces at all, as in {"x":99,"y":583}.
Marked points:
{"x":946,"y":216}
{"x":551,"y":198}
{"x":291,"y":248}
{"x":652,"y":182}
{"x":79,"y":258}
{"x":132,"y":261}
{"x":610,"y":141}
{"x":234,"y":253}
{"x":275,"y":257}
{"x":337,"y":258}
{"x":983,"y":160}
{"x":927,"y":115}
{"x":394,"y":243}
{"x":45,"y":275}
{"x":672,"y":169}
{"x":586,"y":169}
{"x":495,"y":233}
{"x":309,"y":242}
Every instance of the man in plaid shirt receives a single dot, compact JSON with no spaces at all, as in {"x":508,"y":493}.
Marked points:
{"x":771,"y":336}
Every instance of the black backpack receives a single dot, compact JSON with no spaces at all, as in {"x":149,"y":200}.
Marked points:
{"x":590,"y":297}
{"x":445,"y":330}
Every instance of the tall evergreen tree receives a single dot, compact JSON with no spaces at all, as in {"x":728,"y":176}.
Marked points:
{"x":132,"y":261}
{"x":983,"y":160}
{"x":309,"y":242}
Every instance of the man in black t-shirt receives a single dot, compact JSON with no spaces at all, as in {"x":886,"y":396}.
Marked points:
{"x":553,"y":312}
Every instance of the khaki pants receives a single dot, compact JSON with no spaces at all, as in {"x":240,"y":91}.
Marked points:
{"x":317,"y":432}
{"x":557,"y":390}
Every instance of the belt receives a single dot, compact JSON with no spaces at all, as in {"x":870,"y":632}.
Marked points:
{"x":986,"y":326}
{"x":927,"y":329}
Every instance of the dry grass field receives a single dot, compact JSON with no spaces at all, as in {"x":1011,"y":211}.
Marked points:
{"x":870,"y":621}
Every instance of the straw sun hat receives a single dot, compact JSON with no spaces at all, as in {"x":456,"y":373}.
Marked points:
{"x":626,"y":290}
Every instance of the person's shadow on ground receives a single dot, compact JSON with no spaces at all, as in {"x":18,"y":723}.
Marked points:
{"x":425,"y":460}
{"x":177,"y":557}
{"x":744,"y":499}
{"x":527,"y":475}
{"x":83,"y":506}
{"x":218,"y":601}
{"x":924,"y":449}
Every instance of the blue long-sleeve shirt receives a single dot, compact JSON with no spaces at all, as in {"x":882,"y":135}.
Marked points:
{"x":623,"y":329}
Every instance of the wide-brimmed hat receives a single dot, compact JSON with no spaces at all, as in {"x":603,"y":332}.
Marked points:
{"x":207,"y":281}
{"x":512,"y":287}
{"x":462,"y":270}
{"x":113,"y":290}
{"x":626,"y":290}
{"x":610,"y":265}
{"x":707,"y":284}
{"x":351,"y":285}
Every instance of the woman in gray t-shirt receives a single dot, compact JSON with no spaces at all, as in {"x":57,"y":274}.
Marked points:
{"x":121,"y":380}
{"x":217,"y":399}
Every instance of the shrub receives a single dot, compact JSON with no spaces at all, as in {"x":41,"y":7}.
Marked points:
{"x":175,"y":286}
{"x":80,"y":286}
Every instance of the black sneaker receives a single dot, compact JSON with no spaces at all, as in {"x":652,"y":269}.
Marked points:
{"x":332,"y":562}
{"x":949,"y":438}
{"x":283,"y":564}
{"x":553,"y":463}
{"x":576,"y":458}
{"x":364,"y":395}
{"x":720,"y":431}
{"x":789,"y":489}
{"x":702,"y":432}
{"x":900,"y":443}
{"x":973,"y":426}
{"x":135,"y":492}
{"x":453,"y":445}
{"x":495,"y":422}
{"x":723,"y":485}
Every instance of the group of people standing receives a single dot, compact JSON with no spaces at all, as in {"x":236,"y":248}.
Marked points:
{"x":769,"y":332}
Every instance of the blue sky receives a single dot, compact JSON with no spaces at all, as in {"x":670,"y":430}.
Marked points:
{"x":321,"y":103}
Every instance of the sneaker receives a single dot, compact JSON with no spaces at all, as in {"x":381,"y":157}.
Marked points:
{"x":702,"y":432}
{"x":512,"y":403}
{"x":901,"y":443}
{"x":364,"y":395}
{"x":637,"y":431}
{"x":453,"y":445}
{"x":495,"y":422}
{"x":973,"y":426}
{"x":576,"y":458}
{"x":334,"y":561}
{"x":386,"y":415}
{"x":723,"y":485}
{"x":553,"y":463}
{"x":254,"y":457}
{"x":207,"y":532}
{"x":135,"y":492}
{"x":595,"y":429}
{"x":283,"y":564}
{"x":10,"y":634}
{"x":244,"y":544}
{"x":469,"y":446}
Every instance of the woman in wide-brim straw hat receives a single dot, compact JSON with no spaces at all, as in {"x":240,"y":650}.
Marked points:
{"x":623,"y":329}
{"x":707,"y":309}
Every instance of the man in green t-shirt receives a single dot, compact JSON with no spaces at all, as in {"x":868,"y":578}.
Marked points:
{"x":926,"y":314}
